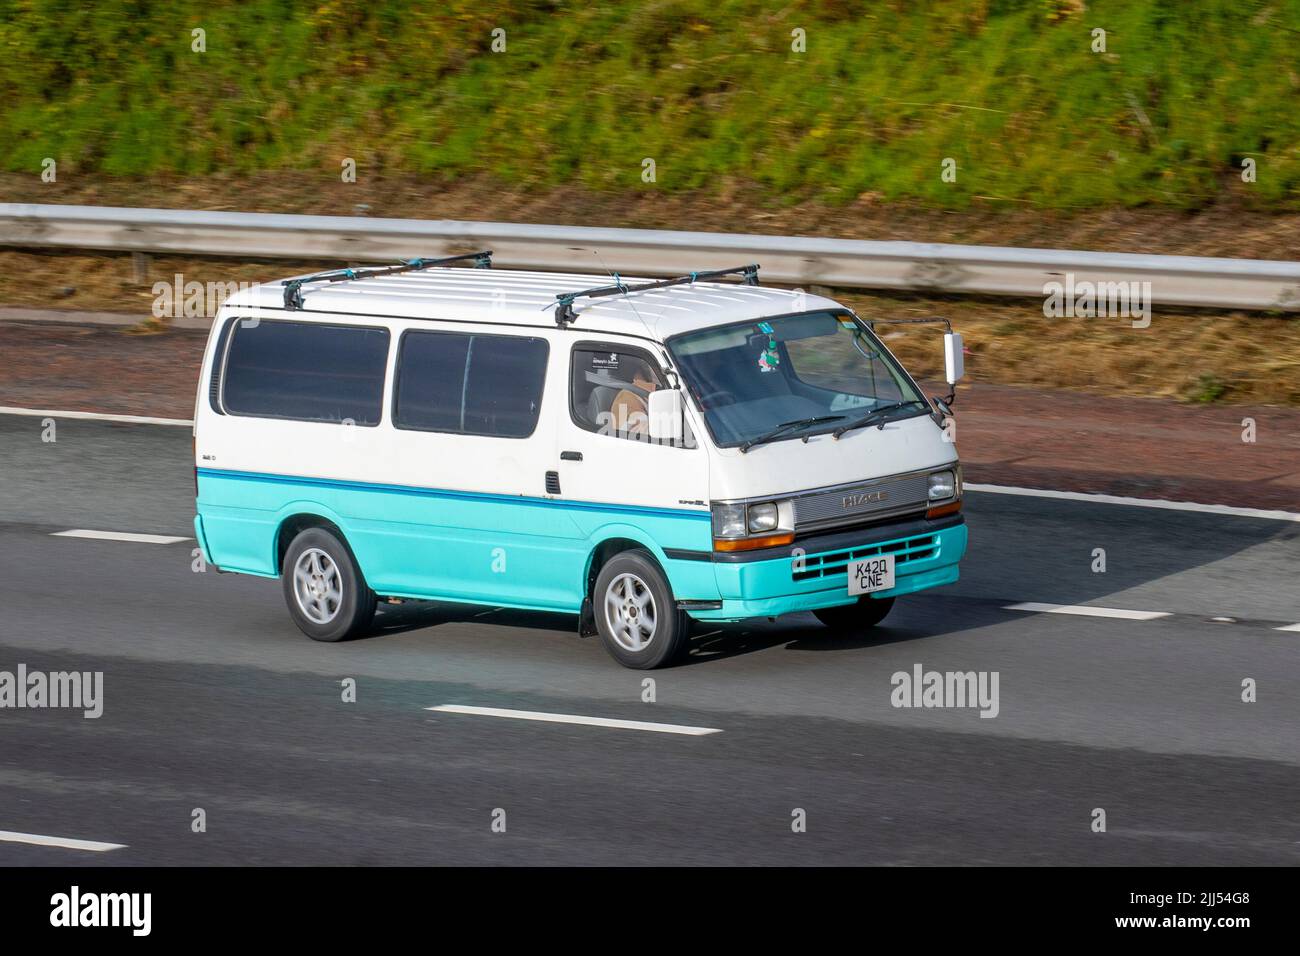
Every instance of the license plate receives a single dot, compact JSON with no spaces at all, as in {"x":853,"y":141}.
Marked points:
{"x":871,"y":574}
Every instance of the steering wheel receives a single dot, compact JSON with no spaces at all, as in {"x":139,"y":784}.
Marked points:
{"x":720,"y":397}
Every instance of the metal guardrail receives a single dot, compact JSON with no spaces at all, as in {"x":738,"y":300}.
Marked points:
{"x":794,"y":260}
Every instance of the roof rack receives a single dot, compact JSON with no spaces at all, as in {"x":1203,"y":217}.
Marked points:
{"x":293,"y":287}
{"x":564,"y":314}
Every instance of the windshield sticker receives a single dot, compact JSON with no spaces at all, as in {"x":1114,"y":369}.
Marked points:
{"x":769,"y":358}
{"x":605,"y":361}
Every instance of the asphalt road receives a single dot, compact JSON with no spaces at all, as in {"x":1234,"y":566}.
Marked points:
{"x":214,"y":701}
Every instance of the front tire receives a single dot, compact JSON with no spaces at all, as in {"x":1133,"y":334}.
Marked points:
{"x":854,"y":618}
{"x":636,"y":614}
{"x":328,"y":598}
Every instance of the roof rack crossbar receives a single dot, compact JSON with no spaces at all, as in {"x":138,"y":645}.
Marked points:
{"x":293,"y":287}
{"x":564,"y":314}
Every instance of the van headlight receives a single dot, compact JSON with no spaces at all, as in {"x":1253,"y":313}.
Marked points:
{"x":760,"y":524}
{"x":943,"y":484}
{"x":763,"y":517}
{"x":728,"y":521}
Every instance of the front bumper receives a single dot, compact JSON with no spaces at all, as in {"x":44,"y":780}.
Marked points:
{"x":813,"y":574}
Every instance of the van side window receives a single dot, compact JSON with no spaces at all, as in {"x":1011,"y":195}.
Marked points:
{"x":218,"y":362}
{"x":306,"y":371}
{"x":610,"y":392}
{"x":469,"y":384}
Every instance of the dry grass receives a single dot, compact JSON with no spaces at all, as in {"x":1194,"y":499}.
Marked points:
{"x":107,"y":283}
{"x":1242,"y":358}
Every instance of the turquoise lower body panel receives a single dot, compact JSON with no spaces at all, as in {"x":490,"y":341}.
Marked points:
{"x":532,"y":553}
{"x":431,"y":544}
{"x":202,"y":539}
{"x":820,"y":579}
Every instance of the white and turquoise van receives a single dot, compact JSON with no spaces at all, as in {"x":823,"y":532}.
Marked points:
{"x":642,"y":454}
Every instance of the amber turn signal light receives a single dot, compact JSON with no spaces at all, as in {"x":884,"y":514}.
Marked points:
{"x":951,"y":508}
{"x":753,"y":544}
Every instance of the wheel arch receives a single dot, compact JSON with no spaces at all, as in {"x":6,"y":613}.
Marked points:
{"x":297,"y":518}
{"x":615,"y":539}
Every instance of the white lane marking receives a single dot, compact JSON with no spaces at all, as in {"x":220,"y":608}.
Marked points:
{"x":1084,"y":610}
{"x":577,"y":719}
{"x":1138,"y":502}
{"x":1289,"y":627}
{"x":970,"y":486}
{"x":96,"y":416}
{"x":118,"y":536}
{"x":35,"y":839}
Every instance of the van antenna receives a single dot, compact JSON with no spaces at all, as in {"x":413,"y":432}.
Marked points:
{"x":631,"y":304}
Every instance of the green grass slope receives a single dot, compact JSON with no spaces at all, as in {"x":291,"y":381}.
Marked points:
{"x":713,"y":92}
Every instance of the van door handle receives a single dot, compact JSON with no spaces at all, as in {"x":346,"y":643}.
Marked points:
{"x":570,"y":456}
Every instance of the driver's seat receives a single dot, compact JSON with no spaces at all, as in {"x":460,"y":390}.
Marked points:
{"x":600,"y":403}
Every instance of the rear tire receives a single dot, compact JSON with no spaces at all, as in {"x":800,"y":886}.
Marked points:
{"x":853,"y":618}
{"x":327,"y":596}
{"x":636,"y":614}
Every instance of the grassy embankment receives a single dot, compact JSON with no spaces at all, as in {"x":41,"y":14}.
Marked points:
{"x":1035,"y":119}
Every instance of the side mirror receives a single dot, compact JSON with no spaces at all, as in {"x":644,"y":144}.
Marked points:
{"x":953,"y":361}
{"x":665,"y":408}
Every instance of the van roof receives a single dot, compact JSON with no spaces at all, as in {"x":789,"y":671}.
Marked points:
{"x":504,"y":296}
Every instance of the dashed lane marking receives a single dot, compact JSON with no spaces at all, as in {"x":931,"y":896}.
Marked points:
{"x":576,"y":719}
{"x":95,"y":416}
{"x":1086,"y":610}
{"x":36,"y":839}
{"x":119,"y":536}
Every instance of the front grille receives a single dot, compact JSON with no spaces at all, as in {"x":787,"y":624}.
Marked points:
{"x":870,"y":524}
{"x":857,"y":503}
{"x":809,"y":566}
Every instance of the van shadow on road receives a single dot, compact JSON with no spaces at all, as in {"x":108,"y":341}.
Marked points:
{"x":709,"y":642}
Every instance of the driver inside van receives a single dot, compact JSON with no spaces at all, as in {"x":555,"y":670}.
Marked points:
{"x":629,"y":410}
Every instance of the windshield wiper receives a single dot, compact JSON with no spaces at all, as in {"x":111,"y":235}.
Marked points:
{"x":875,"y":417}
{"x":784,"y":427}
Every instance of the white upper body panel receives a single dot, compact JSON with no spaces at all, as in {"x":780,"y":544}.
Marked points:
{"x":523,"y":303}
{"x":787,"y":467}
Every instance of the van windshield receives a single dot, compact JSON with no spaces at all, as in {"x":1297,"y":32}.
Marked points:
{"x":810,"y":373}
